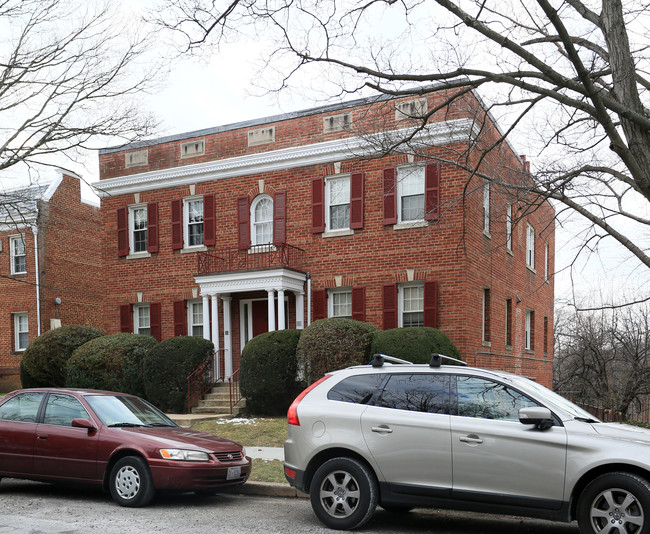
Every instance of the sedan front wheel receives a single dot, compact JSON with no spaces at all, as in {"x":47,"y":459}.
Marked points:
{"x":130,"y":482}
{"x":615,"y":503}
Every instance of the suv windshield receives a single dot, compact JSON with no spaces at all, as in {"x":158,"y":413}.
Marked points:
{"x":546,"y":395}
{"x":117,"y":410}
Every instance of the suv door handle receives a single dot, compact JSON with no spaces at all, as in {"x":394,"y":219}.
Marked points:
{"x":382,"y":429}
{"x":472,"y":438}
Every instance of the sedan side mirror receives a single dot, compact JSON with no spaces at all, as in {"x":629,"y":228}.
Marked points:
{"x":78,"y":422}
{"x":536,"y":415}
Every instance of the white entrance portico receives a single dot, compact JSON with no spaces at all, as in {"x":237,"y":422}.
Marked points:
{"x":275,"y":283}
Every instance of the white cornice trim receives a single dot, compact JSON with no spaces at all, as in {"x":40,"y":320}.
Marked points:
{"x":436,"y":134}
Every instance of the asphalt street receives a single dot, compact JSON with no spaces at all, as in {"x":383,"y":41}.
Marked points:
{"x":35,"y":508}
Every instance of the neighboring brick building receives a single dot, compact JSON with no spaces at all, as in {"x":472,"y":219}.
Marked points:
{"x":203,"y":233}
{"x":52,"y":226}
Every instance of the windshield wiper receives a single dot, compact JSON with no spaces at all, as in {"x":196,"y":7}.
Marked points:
{"x":160,"y":424}
{"x":127,"y":425}
{"x":586,"y":420}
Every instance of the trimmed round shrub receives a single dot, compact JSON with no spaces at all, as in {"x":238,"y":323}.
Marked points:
{"x":45,"y":359}
{"x":111,"y":362}
{"x":167,"y":367}
{"x":267,"y":374}
{"x":330,"y":344}
{"x":414,"y":343}
{"x":27,"y":380}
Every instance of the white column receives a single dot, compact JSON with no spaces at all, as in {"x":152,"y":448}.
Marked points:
{"x":227,"y":338}
{"x":281,"y":319}
{"x":215,"y":335}
{"x":271,"y":308}
{"x":300,"y":310}
{"x":206,"y":317}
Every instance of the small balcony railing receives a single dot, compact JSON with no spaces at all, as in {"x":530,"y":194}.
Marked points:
{"x":256,"y":257}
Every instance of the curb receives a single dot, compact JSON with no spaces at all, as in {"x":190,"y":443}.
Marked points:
{"x":268,"y":489}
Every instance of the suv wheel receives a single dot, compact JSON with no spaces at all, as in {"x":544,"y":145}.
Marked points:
{"x":616,"y":503}
{"x":343,"y":493}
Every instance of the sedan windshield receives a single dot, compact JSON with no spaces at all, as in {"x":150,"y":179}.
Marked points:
{"x":117,"y":410}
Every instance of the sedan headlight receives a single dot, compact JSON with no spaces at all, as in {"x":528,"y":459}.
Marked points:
{"x":180,"y":454}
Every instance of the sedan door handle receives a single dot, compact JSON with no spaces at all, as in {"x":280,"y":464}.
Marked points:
{"x":382,"y":429}
{"x":41,"y":437}
{"x":472,"y":438}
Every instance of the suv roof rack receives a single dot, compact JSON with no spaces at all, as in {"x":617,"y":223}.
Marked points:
{"x":436,"y":360}
{"x":378,"y":360}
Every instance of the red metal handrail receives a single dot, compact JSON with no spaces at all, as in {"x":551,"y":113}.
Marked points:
{"x":200,"y":381}
{"x":256,"y":257}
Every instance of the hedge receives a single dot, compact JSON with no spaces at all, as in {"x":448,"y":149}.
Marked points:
{"x":111,"y":362}
{"x":415,"y":344}
{"x":167,"y":367}
{"x":330,"y":344}
{"x":45,"y":359}
{"x":267,"y":373}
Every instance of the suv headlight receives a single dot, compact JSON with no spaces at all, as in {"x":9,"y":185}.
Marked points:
{"x":180,"y":454}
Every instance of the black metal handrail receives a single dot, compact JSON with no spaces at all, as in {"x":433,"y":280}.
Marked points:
{"x":201,"y":380}
{"x":255,"y":257}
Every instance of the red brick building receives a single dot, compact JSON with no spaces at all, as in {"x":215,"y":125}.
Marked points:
{"x":205,"y":233}
{"x":49,"y":226}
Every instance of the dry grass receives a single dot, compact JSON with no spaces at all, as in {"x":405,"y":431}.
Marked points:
{"x":254,"y":432}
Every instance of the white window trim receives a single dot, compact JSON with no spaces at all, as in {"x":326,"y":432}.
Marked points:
{"x":12,"y":256}
{"x":17,"y":332}
{"x":486,"y":208}
{"x":509,"y":227}
{"x":400,"y":300}
{"x":254,"y":204}
{"x":528,"y":330}
{"x":328,"y":181}
{"x":530,"y":247}
{"x":136,"y":317}
{"x":132,"y":253}
{"x":330,"y":300}
{"x":186,"y":225}
{"x":190,"y":316}
{"x":401,"y":224}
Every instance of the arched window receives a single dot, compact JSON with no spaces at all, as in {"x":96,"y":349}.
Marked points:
{"x":262,"y":220}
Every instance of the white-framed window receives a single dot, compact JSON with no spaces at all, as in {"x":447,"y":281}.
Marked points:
{"x":193,"y":221}
{"x":21,"y":331}
{"x":530,"y":247}
{"x":142,"y":319}
{"x":18,"y":254}
{"x":337,"y":203}
{"x":339,"y":303}
{"x":195,"y":318}
{"x":138,"y":228}
{"x":262,"y":220}
{"x":509,"y":227}
{"x":486,"y":316}
{"x":410,"y":194}
{"x":411,"y":304}
{"x":546,"y":262}
{"x":530,"y":330}
{"x":486,"y":207}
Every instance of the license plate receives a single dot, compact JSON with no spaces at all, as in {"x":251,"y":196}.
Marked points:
{"x":233,"y":472}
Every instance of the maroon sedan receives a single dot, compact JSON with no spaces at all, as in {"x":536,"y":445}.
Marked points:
{"x":118,"y":441}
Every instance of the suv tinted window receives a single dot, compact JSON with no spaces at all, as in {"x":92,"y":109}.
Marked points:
{"x":356,"y":389}
{"x":478,"y":397}
{"x":417,"y":393}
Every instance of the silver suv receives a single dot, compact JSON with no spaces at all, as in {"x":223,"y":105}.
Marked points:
{"x":405,"y":436}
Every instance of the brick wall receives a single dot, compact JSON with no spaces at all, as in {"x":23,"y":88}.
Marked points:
{"x":452,"y":250}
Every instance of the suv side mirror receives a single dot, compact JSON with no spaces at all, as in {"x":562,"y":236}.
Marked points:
{"x":536,"y":415}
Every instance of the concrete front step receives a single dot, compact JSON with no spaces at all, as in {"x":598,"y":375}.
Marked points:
{"x":187,"y":420}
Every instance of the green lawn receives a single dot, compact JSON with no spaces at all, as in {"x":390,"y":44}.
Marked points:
{"x":254,"y":432}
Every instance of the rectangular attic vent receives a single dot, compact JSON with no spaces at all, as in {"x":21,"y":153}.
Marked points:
{"x":262,"y":136}
{"x":136,"y":159}
{"x":413,"y":109}
{"x":193,"y":148}
{"x":337,"y":123}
